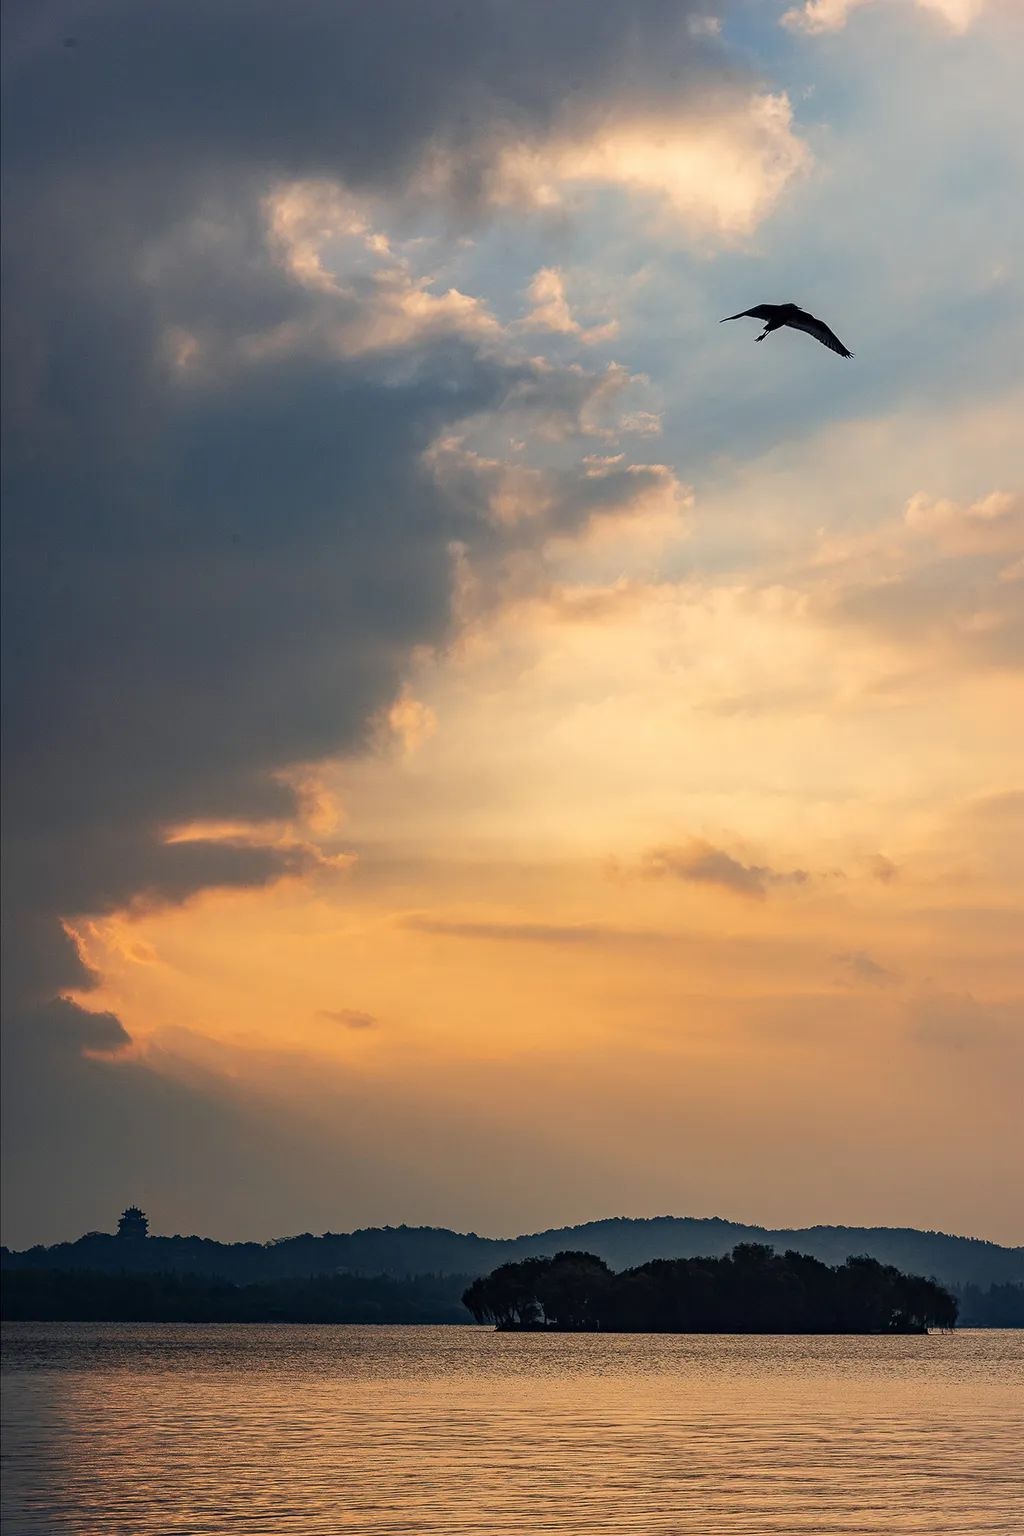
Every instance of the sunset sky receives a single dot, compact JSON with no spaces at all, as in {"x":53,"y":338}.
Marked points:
{"x":486,"y":745}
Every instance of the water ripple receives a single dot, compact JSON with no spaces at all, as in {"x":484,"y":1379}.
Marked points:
{"x":136,"y":1430}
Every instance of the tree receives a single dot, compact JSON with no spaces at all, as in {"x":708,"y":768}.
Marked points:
{"x":753,"y":1290}
{"x":508,"y":1296}
{"x":573,"y":1289}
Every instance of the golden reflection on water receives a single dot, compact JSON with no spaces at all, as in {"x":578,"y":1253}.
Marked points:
{"x":146,"y":1430}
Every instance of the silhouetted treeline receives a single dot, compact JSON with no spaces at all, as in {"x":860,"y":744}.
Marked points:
{"x":94,"y":1296}
{"x":752,"y":1290}
{"x":1000,"y":1306}
{"x":50,"y":1295}
{"x":401,"y":1252}
{"x":622,"y":1242}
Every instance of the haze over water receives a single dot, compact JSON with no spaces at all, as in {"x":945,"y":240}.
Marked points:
{"x":138,"y":1429}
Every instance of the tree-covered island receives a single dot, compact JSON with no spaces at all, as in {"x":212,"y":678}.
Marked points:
{"x":750,"y":1290}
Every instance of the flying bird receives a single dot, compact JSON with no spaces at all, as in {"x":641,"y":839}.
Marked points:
{"x":778,"y":315}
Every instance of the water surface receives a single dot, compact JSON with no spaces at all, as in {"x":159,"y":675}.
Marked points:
{"x":148,"y":1430}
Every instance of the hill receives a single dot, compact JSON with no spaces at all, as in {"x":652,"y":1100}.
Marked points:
{"x":622,"y":1242}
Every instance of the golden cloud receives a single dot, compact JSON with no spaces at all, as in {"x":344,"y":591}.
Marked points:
{"x":550,"y":310}
{"x":831,"y":15}
{"x":713,"y":174}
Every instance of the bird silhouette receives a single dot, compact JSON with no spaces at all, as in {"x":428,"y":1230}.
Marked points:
{"x":778,"y":315}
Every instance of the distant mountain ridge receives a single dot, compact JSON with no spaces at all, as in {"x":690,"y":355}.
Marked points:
{"x":623,"y":1242}
{"x":626,"y":1241}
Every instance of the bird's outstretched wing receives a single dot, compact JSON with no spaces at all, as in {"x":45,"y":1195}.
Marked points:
{"x":802,"y":321}
{"x":759,"y":312}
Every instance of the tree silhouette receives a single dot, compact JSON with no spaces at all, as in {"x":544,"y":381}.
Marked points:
{"x":751,"y":1290}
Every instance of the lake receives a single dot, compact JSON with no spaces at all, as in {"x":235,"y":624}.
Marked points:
{"x":140,"y":1429}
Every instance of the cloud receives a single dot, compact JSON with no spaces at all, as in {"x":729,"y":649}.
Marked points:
{"x":1003,"y":810}
{"x":305,"y":218}
{"x":62,"y":1028}
{"x":939,"y":581}
{"x":558,"y":934}
{"x":973,"y":622}
{"x":832,"y":15}
{"x":995,"y":523}
{"x":225,"y":530}
{"x":478,"y":115}
{"x":575,"y":399}
{"x":95,"y":1130}
{"x":550,"y":310}
{"x":715,"y":176}
{"x":958,"y":1021}
{"x":596,"y":604}
{"x":235,"y":511}
{"x":528,"y":505}
{"x":988,"y":830}
{"x":410,"y":721}
{"x":278,"y":537}
{"x":857,"y":966}
{"x":703,"y":863}
{"x":350,"y":1018}
{"x":361,"y":298}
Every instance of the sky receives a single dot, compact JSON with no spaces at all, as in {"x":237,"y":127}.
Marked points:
{"x":485,"y":745}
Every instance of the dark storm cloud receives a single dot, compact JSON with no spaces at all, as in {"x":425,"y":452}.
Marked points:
{"x":365,"y":91}
{"x":87,"y":1134}
{"x":209,"y":578}
{"x":203,"y":583}
{"x":38,"y":958}
{"x":61,"y":1029}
